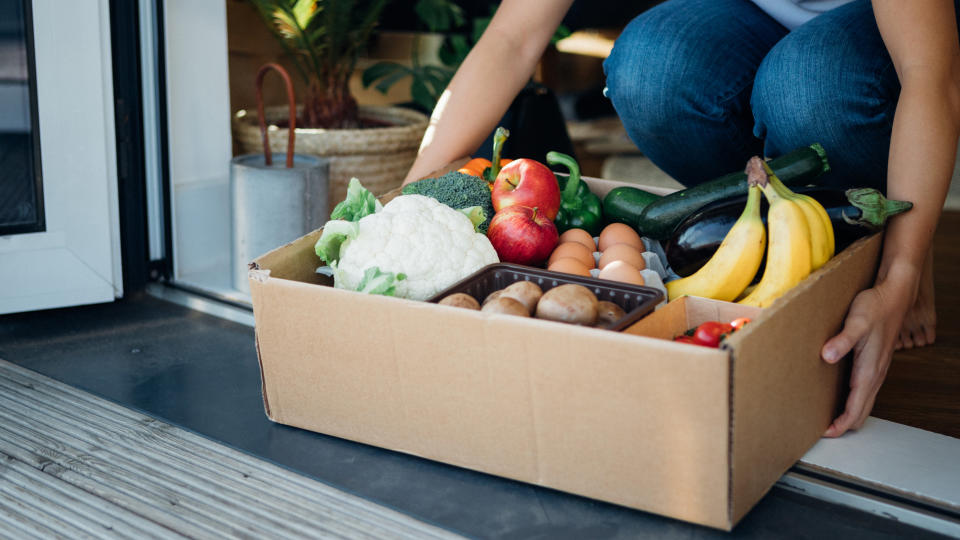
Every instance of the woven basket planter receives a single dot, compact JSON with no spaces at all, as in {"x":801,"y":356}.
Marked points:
{"x":379,"y":156}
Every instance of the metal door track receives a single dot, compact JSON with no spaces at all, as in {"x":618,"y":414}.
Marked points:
{"x":76,"y":466}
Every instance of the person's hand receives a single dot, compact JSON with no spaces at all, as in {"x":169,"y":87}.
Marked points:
{"x":870,"y":330}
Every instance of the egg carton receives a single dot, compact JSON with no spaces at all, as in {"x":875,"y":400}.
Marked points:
{"x":656,"y":272}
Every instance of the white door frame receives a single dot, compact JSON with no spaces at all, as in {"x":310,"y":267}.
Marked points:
{"x":77,"y":259}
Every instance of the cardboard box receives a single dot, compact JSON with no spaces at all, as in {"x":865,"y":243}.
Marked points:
{"x":689,"y":312}
{"x":689,"y":432}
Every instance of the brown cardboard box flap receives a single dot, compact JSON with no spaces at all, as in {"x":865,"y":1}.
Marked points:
{"x":784,"y":394}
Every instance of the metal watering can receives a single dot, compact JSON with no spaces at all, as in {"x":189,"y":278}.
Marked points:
{"x":273,"y":204}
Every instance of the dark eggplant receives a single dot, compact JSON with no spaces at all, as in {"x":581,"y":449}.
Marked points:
{"x":855,"y":213}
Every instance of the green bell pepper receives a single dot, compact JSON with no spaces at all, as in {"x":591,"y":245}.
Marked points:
{"x":579,"y":207}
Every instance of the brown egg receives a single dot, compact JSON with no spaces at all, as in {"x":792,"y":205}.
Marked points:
{"x":568,"y":265}
{"x":573,"y":250}
{"x":580,"y":236}
{"x":618,"y":233}
{"x":622,"y":252}
{"x":622,"y":272}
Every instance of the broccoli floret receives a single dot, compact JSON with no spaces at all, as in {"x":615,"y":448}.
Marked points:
{"x":458,"y":191}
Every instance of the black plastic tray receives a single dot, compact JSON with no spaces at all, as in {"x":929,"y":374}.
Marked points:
{"x":636,"y":300}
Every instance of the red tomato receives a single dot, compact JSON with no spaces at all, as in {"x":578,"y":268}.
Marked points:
{"x":709,"y":333}
{"x":738,"y":323}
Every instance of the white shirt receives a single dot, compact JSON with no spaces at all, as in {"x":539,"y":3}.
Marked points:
{"x":793,"y":13}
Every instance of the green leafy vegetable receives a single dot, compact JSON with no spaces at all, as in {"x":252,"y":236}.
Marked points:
{"x":458,"y":191}
{"x":476,"y":215}
{"x":335,"y":233}
{"x":360,"y":202}
{"x":377,"y":282}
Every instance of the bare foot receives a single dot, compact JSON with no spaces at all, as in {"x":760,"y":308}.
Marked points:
{"x":920,"y":323}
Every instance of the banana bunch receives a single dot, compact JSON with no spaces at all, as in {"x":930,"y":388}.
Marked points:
{"x":734,"y":264}
{"x":801,"y":240}
{"x":801,"y":237}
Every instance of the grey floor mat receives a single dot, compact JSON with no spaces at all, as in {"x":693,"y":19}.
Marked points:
{"x":74,"y":465}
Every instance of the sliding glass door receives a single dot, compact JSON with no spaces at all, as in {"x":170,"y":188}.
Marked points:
{"x":59,"y":241}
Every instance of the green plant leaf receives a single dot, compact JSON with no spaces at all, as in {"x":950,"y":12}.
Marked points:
{"x":304,"y":11}
{"x":441,"y":74}
{"x":323,"y":38}
{"x":439,"y":15}
{"x":384,"y":85}
{"x":378,"y":71}
{"x":316,"y":35}
{"x":435,"y":82}
{"x":454,"y":50}
{"x":422,"y":95}
{"x":480,"y":24}
{"x":388,"y":73}
{"x":561,"y":33}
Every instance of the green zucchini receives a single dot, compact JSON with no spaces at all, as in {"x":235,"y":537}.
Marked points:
{"x":623,"y":204}
{"x":659,"y":218}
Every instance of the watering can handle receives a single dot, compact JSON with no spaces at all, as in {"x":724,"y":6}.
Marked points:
{"x":263,"y":119}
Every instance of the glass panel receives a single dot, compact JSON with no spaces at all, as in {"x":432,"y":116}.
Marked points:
{"x":21,"y":199}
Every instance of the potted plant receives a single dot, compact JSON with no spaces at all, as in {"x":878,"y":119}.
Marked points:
{"x":324,"y":39}
{"x":535,"y":110}
{"x":428,"y":80}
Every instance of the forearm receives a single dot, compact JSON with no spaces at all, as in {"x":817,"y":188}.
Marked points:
{"x":922,"y":40}
{"x":469,"y":108}
{"x":485,"y":85}
{"x":922,"y":154}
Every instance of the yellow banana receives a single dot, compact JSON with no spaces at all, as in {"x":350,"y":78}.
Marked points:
{"x":746,"y":292}
{"x":821,"y":230}
{"x":734,"y":264}
{"x":788,"y":255}
{"x":825,"y":219}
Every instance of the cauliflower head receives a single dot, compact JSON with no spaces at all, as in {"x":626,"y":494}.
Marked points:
{"x":426,"y":245}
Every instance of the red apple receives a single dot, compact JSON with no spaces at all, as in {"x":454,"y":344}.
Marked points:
{"x":522,"y":235}
{"x":526,"y":182}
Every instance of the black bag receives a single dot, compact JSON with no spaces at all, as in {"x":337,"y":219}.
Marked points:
{"x":536,"y":127}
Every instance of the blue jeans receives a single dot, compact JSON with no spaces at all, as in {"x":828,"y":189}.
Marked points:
{"x":702,"y":85}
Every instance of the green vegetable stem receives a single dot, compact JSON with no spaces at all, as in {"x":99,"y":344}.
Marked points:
{"x":579,"y":208}
{"x":499,"y":137}
{"x":874,"y":207}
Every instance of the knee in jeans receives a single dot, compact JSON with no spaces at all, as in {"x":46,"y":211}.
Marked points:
{"x":640,"y":104}
{"x":789,"y":108}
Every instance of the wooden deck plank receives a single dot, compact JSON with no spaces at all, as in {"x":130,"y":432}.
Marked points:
{"x":151,"y":479}
{"x":52,"y":508}
{"x":922,"y":388}
{"x":116,"y":487}
{"x":99,"y":516}
{"x":21,"y":521}
{"x":178,"y":485}
{"x":293,"y":490}
{"x":197,"y":457}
